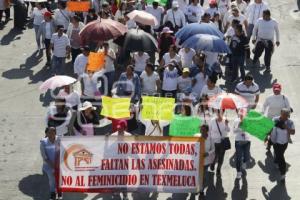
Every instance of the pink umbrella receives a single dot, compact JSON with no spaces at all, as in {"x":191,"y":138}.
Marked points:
{"x":55,"y":82}
{"x":142,"y":17}
{"x":102,"y":30}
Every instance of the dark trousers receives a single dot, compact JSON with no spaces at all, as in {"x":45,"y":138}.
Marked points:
{"x":20,"y":15}
{"x":261,"y":46}
{"x":242,"y":154}
{"x":237,"y":62}
{"x":7,"y":13}
{"x":279,"y":150}
{"x":219,"y":155}
{"x":75,"y":53}
{"x":298,"y":4}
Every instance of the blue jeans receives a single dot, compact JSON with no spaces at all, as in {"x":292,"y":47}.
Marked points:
{"x":58,"y":65}
{"x":237,"y":62}
{"x":50,"y":174}
{"x":242,"y":154}
{"x":138,"y":73}
{"x":110,"y":79}
{"x":38,"y":39}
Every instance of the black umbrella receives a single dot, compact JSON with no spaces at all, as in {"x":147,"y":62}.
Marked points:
{"x":137,"y":40}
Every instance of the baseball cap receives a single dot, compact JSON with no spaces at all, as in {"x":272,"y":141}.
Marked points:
{"x":276,"y":87}
{"x":175,"y":4}
{"x":186,"y":70}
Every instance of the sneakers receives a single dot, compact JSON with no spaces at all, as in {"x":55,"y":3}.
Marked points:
{"x":239,"y":175}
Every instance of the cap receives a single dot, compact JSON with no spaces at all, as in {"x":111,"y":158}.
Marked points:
{"x":186,"y":70}
{"x":212,"y":2}
{"x":175,"y":4}
{"x":122,"y":124}
{"x":276,"y":87}
{"x":47,"y":14}
{"x":166,"y":30}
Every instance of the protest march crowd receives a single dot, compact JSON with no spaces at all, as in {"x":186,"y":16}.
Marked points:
{"x":174,"y":50}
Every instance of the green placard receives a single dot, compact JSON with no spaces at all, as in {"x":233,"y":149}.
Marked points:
{"x":184,"y":126}
{"x":161,"y":2}
{"x":257,"y":125}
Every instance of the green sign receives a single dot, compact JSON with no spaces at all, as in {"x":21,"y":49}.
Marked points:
{"x":161,"y":2}
{"x":257,"y":125}
{"x":184,"y":126}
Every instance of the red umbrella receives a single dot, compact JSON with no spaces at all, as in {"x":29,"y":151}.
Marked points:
{"x":102,"y":30}
{"x":227,"y":101}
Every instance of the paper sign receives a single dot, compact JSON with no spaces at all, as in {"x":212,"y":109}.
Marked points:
{"x":78,"y":6}
{"x":96,"y":61}
{"x":257,"y":125}
{"x":161,"y":2}
{"x":158,"y":108}
{"x":184,"y":126}
{"x":117,"y":108}
{"x":134,"y":164}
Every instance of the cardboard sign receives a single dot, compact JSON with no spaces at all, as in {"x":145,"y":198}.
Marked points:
{"x":128,"y":163}
{"x":158,"y":108}
{"x":96,"y":61}
{"x":78,"y":6}
{"x":185,"y":126}
{"x":116,"y":108}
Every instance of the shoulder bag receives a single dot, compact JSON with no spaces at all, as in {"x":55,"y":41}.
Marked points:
{"x":224,"y":141}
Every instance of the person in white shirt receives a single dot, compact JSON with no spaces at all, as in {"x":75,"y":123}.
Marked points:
{"x":218,"y":130}
{"x":198,"y":82}
{"x":275,"y":102}
{"x":253,"y":13}
{"x":184,"y":82}
{"x":187,"y":55}
{"x":223,"y":6}
{"x":249,"y":90}
{"x":280,"y":136}
{"x":150,"y":81}
{"x":210,"y":89}
{"x":194,"y":12}
{"x":157,"y":11}
{"x":263,"y":37}
{"x":81,"y":61}
{"x":212,"y":9}
{"x":121,"y":129}
{"x":72,"y":97}
{"x":237,"y":16}
{"x":170,"y":56}
{"x":241,"y":5}
{"x":110,"y":57}
{"x":175,"y":16}
{"x":242,"y":144}
{"x":120,"y":14}
{"x":90,"y":87}
{"x":62,"y":16}
{"x":169,"y":84}
{"x":60,"y":44}
{"x":140,"y":60}
{"x":209,"y":155}
{"x":38,"y":16}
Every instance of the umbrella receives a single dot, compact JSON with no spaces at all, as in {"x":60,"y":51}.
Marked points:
{"x":55,"y":82}
{"x":137,"y":40}
{"x":196,"y":28}
{"x":142,"y":17}
{"x":227,"y":101}
{"x":102,"y":30}
{"x":206,"y":42}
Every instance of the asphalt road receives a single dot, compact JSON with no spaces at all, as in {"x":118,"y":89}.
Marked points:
{"x":23,"y":109}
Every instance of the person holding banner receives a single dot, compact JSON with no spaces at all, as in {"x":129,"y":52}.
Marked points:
{"x":150,"y":81}
{"x":219,"y":130}
{"x":121,"y":129}
{"x":280,"y":137}
{"x":48,"y":147}
{"x":242,"y":145}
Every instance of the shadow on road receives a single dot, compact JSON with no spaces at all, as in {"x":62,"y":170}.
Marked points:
{"x":11,"y":36}
{"x":250,"y":164}
{"x":277,"y":192}
{"x":240,"y":192}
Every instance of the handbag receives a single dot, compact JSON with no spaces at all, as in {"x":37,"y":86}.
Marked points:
{"x":224,"y":141}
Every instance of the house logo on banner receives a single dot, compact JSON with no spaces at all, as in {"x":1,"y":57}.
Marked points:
{"x":78,"y":158}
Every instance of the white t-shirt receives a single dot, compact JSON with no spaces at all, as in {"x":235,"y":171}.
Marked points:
{"x":249,"y":93}
{"x":273,"y":105}
{"x":80,"y":64}
{"x":140,"y":61}
{"x":157,"y":13}
{"x":168,"y":59}
{"x":38,"y":15}
{"x":240,"y":135}
{"x":210,"y":93}
{"x":211,"y":58}
{"x":72,"y":99}
{"x":281,"y":136}
{"x":241,"y":19}
{"x":48,"y":32}
{"x":170,"y":79}
{"x":214,"y":131}
{"x":187,"y":57}
{"x":184,"y":83}
{"x":149,"y":82}
{"x":60,"y":45}
{"x":109,"y":63}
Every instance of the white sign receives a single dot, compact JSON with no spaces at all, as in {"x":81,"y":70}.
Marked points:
{"x":99,"y":163}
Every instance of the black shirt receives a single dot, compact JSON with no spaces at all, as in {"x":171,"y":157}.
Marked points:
{"x":238,"y":45}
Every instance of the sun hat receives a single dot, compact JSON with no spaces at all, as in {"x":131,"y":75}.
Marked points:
{"x":166,"y":30}
{"x":87,"y":105}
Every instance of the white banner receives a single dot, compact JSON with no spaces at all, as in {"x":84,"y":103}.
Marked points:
{"x":99,"y":164}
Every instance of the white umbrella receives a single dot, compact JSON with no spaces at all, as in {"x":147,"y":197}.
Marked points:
{"x":55,"y":82}
{"x":143,"y":17}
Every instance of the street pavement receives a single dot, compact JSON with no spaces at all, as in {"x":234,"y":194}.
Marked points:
{"x":22,"y":122}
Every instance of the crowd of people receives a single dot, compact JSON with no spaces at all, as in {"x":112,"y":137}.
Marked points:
{"x":189,"y":75}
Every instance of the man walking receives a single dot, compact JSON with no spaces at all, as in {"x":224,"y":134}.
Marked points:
{"x":263,"y":37}
{"x":60,"y":44}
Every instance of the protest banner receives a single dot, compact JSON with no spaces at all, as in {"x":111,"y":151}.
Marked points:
{"x":185,"y":125}
{"x":161,"y":2}
{"x":116,"y":108}
{"x":78,"y":6}
{"x":257,"y":125}
{"x":128,"y":163}
{"x":96,"y":61}
{"x":158,"y":108}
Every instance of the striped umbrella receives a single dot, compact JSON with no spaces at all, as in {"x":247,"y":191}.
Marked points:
{"x":227,"y":101}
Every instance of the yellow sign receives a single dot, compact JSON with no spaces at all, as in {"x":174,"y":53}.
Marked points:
{"x":96,"y":61}
{"x":117,"y":108}
{"x":158,"y":108}
{"x":78,"y":6}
